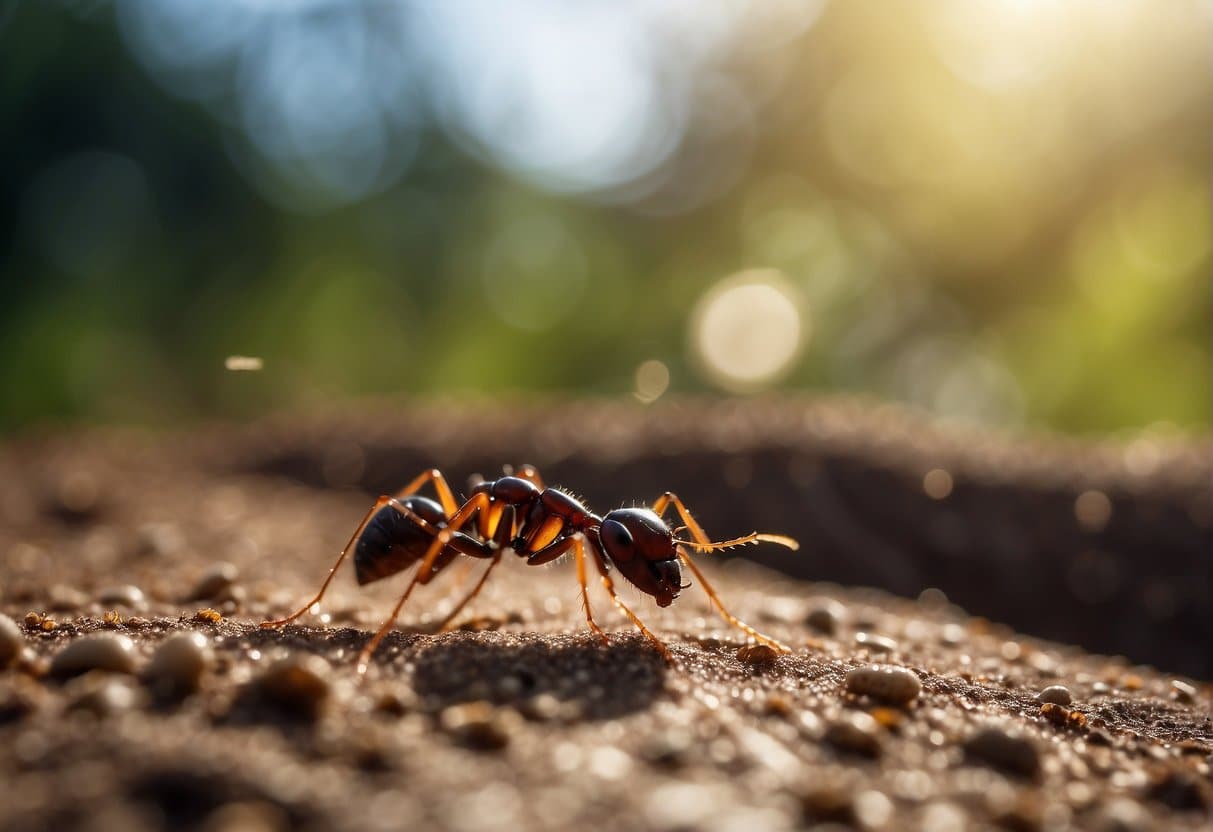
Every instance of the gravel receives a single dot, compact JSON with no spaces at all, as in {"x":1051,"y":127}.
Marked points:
{"x":519,"y":718}
{"x":100,"y":651}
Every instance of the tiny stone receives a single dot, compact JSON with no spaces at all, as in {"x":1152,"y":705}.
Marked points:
{"x":1122,"y":814}
{"x":875,"y":643}
{"x":757,"y":654}
{"x":477,"y":725}
{"x":126,"y":596}
{"x":214,"y":581}
{"x":1181,"y":690}
{"x":825,"y":616}
{"x":1006,"y":751}
{"x":857,"y":733}
{"x":62,"y":598}
{"x":890,"y":684}
{"x":101,"y":651}
{"x":1056,"y":695}
{"x":1101,"y":688}
{"x":11,"y":641}
{"x":102,"y":697}
{"x":296,"y":684}
{"x":177,"y":666}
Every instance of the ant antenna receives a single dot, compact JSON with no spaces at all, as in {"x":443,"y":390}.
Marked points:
{"x":753,"y":537}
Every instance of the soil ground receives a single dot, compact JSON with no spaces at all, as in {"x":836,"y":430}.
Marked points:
{"x":519,"y":719}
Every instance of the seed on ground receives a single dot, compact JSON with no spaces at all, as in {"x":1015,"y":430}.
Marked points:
{"x":757,"y":654}
{"x":1056,"y":695}
{"x":888,"y":683}
{"x":11,"y":641}
{"x":177,"y":666}
{"x":214,"y":581}
{"x":101,"y":651}
{"x":1003,"y":750}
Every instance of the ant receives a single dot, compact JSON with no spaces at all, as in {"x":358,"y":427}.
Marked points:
{"x":519,"y":513}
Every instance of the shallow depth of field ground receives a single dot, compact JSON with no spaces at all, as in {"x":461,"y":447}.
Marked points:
{"x":519,"y":719}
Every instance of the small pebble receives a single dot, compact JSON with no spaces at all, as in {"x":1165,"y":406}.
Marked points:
{"x":11,"y":641}
{"x":825,"y":616}
{"x":102,"y":697}
{"x":125,"y":596}
{"x":1008,"y":752}
{"x":889,"y":684}
{"x":63,"y":598}
{"x":214,"y":581}
{"x":176,"y":667}
{"x":1180,"y":690}
{"x":1055,"y":695}
{"x":757,"y":654}
{"x":476,"y":725}
{"x":857,"y":733}
{"x":297,"y":684}
{"x":100,"y":651}
{"x":875,"y":643}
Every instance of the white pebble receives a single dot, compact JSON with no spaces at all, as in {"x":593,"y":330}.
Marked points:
{"x":214,"y":581}
{"x":102,"y":651}
{"x":177,"y":665}
{"x":11,"y":641}
{"x":891,"y":684}
{"x":124,"y":596}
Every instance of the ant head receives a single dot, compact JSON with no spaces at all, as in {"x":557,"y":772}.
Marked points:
{"x":642,"y":547}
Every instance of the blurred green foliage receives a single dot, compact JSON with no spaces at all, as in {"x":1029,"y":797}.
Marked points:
{"x":1007,"y":248}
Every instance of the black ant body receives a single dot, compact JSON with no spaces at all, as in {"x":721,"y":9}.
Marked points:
{"x":541,"y":524}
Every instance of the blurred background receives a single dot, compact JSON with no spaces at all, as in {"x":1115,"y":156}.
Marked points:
{"x":996,"y":210}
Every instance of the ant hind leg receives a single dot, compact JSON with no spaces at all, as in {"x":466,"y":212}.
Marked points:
{"x":380,"y":503}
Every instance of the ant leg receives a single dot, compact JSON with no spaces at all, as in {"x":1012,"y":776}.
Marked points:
{"x":445,"y":624}
{"x":610,"y":588}
{"x":380,"y":503}
{"x":725,"y":614}
{"x":505,"y":529}
{"x":445,"y":495}
{"x":423,"y":573}
{"x":575,"y":544}
{"x":530,"y":472}
{"x":696,"y":530}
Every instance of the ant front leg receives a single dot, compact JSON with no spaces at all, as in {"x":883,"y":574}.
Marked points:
{"x":701,"y":538}
{"x":610,"y":588}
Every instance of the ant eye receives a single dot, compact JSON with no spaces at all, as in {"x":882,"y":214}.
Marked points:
{"x":617,"y":539}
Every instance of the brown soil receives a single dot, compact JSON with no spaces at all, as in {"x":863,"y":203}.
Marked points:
{"x":519,"y":719}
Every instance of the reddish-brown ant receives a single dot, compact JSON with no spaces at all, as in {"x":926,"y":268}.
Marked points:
{"x":536,"y":522}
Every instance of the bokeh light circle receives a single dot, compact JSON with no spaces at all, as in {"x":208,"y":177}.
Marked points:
{"x":748,"y":330}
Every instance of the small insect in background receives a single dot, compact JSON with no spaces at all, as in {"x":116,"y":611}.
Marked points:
{"x":519,"y":513}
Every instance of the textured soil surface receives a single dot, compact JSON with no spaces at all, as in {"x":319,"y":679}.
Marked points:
{"x":518,"y":719}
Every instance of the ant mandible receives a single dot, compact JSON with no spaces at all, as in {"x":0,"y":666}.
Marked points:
{"x":519,"y":513}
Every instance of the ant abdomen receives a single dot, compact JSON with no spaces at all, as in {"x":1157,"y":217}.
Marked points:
{"x":393,"y":541}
